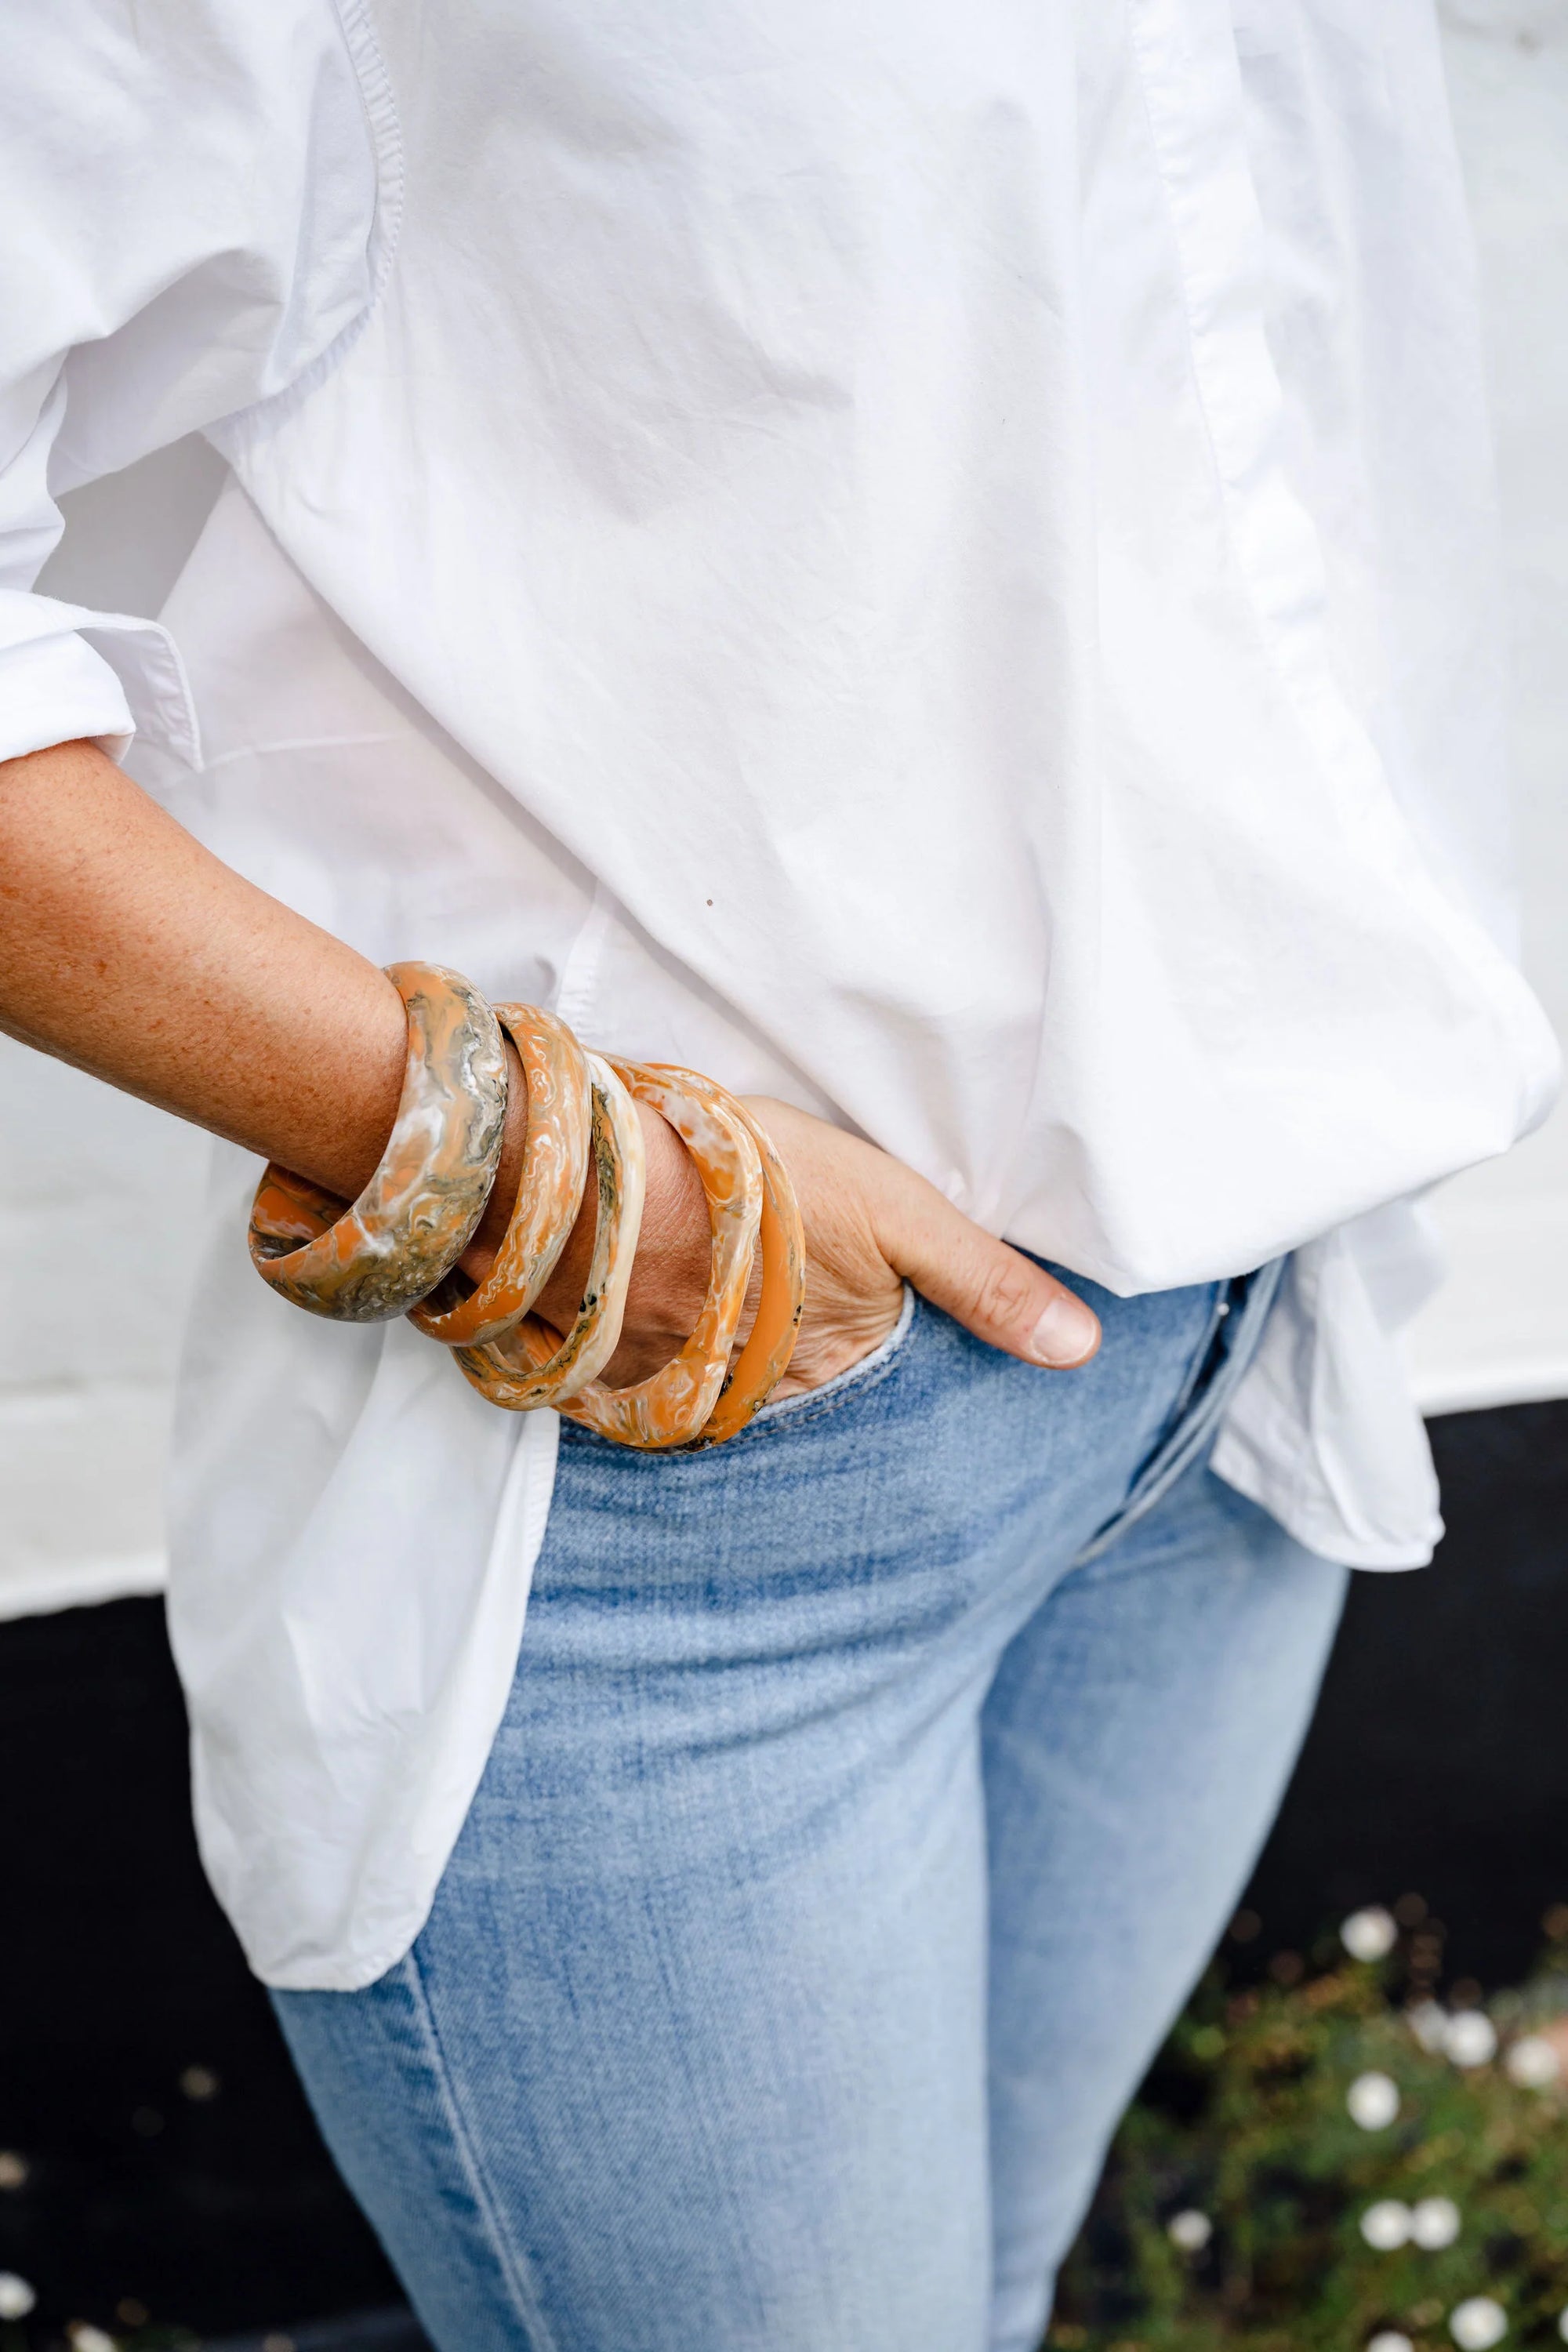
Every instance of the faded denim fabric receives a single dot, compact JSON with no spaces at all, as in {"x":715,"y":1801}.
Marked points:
{"x":871,"y":1790}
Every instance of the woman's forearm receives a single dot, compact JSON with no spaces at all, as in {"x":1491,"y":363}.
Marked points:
{"x":126,"y":948}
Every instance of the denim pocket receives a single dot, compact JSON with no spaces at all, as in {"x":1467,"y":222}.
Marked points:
{"x":844,"y":1388}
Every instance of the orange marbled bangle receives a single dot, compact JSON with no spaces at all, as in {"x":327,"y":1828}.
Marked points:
{"x":548,"y":1192}
{"x":527,"y":1369}
{"x":765,"y":1359}
{"x":672,"y":1405}
{"x":418,"y":1213}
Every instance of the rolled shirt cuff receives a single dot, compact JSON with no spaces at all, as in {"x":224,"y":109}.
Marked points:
{"x":68,"y":674}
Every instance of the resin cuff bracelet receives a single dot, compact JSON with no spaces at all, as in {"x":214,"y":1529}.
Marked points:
{"x":549,"y":1188}
{"x":528,"y":1368}
{"x":764,"y":1359}
{"x":695,"y":1399}
{"x":395,"y":1250}
{"x":418,"y":1213}
{"x":671,"y":1407}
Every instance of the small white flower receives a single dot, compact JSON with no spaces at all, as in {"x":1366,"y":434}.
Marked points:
{"x":1478,"y":2324}
{"x":1532,"y":2061}
{"x":1386,"y":2225}
{"x":16,"y":2297}
{"x":85,"y":2337}
{"x":1191,"y":2231}
{"x":1389,"y":2339}
{"x":1372,"y":2101}
{"x":1434,"y":2223}
{"x":1428,"y":2024}
{"x":1562,"y":2324}
{"x":1470,"y":2038}
{"x":1369,"y":1935}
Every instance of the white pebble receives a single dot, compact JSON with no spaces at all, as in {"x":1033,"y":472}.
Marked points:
{"x":1369,"y":1935}
{"x":1434,"y":2223}
{"x":1389,"y":2339}
{"x":1372,"y":2101}
{"x":1470,"y":2038}
{"x":1191,"y":2231}
{"x":16,"y":2297}
{"x":1478,"y":2324}
{"x":1386,"y":2225}
{"x":1532,"y":2061}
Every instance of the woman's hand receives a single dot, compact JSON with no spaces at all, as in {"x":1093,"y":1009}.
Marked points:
{"x":871,"y":1226}
{"x":871,"y":1223}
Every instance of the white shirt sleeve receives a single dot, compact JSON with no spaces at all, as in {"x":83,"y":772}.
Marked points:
{"x":189,"y":193}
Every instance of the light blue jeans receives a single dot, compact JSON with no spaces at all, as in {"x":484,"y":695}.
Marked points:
{"x":871,"y":1789}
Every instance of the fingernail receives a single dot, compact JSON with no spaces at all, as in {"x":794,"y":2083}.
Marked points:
{"x":1064,"y":1332}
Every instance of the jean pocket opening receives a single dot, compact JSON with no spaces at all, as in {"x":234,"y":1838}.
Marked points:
{"x":857,"y":1375}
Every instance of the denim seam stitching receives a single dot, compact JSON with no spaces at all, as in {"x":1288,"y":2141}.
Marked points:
{"x":513,"y":2262}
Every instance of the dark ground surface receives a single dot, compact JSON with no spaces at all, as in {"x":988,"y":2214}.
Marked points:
{"x":169,"y":2158}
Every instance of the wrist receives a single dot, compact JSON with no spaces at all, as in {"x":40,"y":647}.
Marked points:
{"x":670,"y":1275}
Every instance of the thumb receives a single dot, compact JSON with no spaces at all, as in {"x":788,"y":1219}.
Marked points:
{"x":1004,"y":1297}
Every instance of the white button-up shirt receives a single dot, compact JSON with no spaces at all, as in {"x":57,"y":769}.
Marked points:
{"x":935,"y":561}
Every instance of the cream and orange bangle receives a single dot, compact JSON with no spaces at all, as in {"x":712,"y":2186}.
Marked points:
{"x":395,"y":1250}
{"x":531,"y":1367}
{"x":420,"y":1209}
{"x":550,"y":1187}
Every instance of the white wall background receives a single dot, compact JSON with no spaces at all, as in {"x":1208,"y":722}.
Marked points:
{"x":95,"y":1189}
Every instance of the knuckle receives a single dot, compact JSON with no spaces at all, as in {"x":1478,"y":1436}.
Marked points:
{"x":1004,"y":1293}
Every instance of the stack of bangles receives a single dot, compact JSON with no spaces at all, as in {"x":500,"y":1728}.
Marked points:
{"x":395,"y":1250}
